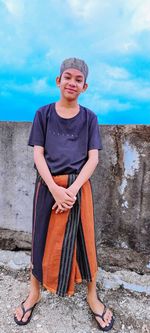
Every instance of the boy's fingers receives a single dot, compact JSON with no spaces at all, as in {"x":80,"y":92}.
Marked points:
{"x":69,"y":202}
{"x":72,"y":198}
{"x":59,"y":208}
{"x":71,"y":194}
{"x":54,"y":206}
{"x":65,"y":205}
{"x":69,"y":199}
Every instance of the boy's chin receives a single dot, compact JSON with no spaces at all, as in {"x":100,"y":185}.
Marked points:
{"x":71,"y":98}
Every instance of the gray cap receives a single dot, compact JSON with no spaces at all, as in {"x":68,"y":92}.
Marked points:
{"x":75,"y":63}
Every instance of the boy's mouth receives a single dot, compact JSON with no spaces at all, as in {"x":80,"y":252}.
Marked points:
{"x":70,"y":90}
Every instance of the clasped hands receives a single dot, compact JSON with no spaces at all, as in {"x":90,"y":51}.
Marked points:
{"x":64,"y":198}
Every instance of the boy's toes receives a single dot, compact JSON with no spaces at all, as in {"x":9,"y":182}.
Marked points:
{"x":17,"y":314}
{"x":108,"y":315}
{"x":26,"y":316}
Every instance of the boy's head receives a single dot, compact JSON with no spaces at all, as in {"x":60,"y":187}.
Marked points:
{"x":72,"y":79}
{"x":75,"y":63}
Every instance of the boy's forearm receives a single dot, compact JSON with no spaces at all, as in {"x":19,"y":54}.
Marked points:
{"x":44,"y":171}
{"x":83,"y":176}
{"x":85,"y":173}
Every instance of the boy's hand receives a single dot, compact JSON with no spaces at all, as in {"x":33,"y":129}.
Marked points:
{"x":73,"y":189}
{"x":64,"y":198}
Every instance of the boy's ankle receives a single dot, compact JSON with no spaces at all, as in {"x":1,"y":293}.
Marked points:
{"x":34,"y":293}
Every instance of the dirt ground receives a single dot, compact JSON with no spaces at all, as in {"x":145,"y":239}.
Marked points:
{"x":56,"y":314}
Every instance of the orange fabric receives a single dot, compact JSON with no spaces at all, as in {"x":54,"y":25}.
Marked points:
{"x":55,"y":236}
{"x":87,"y":218}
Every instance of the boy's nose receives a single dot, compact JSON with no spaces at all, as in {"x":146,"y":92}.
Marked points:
{"x":72,"y":83}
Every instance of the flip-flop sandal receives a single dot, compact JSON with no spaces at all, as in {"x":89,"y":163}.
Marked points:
{"x":108,"y":327}
{"x":20,"y":322}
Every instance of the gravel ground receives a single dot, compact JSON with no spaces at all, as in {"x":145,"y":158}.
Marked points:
{"x":56,"y":314}
{"x":71,"y":314}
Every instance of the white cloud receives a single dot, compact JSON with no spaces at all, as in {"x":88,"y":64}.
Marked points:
{"x":136,"y":89}
{"x":92,"y":29}
{"x":113,"y":25}
{"x":14,"y":7}
{"x":103,"y":72}
{"x":101,"y":27}
{"x":40,"y":86}
{"x":118,"y":81}
{"x":36,"y":87}
{"x":104,"y":105}
{"x":113,"y":104}
{"x":128,"y":46}
{"x":141,"y":17}
{"x":116,"y":72}
{"x":134,"y":13}
{"x":86,"y":9}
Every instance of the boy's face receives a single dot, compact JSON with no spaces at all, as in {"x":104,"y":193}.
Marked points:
{"x":71,"y":84}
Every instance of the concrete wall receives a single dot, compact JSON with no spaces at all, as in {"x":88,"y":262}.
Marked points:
{"x":120,"y":184}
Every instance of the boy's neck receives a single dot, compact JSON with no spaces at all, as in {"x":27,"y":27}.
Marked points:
{"x":67,"y":104}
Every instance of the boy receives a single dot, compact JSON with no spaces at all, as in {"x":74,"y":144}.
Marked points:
{"x":66,"y":141}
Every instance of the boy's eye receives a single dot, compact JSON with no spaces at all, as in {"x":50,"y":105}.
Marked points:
{"x":68,"y":78}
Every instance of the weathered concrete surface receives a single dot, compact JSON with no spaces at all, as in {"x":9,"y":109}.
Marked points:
{"x":120,"y":184}
{"x":109,"y":260}
{"x":126,"y":279}
{"x":114,"y":259}
{"x":72,"y":314}
{"x":17,"y":176}
{"x":15,"y":240}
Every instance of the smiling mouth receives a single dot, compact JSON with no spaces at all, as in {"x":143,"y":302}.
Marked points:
{"x":70,"y":90}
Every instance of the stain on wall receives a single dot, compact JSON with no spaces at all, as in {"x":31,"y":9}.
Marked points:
{"x":123,"y":194}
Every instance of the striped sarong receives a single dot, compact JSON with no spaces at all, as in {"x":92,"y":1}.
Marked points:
{"x":63,"y":244}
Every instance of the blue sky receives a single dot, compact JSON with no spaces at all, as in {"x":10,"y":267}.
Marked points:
{"x":113,"y":37}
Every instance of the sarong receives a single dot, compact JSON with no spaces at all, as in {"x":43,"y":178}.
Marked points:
{"x":63,"y":244}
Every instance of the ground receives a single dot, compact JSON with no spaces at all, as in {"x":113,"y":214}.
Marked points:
{"x":71,"y":314}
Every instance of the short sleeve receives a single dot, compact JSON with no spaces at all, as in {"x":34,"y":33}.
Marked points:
{"x":95,"y":141}
{"x":37,"y":134}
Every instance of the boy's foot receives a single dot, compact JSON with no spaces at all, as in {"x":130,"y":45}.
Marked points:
{"x":29,"y":302}
{"x":98,"y":307}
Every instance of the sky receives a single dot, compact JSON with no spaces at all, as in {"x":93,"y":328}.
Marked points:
{"x":112,"y":36}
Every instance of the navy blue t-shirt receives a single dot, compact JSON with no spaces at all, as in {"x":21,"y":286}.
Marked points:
{"x":66,"y":142}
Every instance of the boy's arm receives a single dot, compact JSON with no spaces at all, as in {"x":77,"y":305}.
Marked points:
{"x":87,"y":171}
{"x":42,"y":167}
{"x":63,"y":197}
{"x":84,"y":174}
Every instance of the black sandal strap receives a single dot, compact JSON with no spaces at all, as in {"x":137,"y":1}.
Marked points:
{"x":102,"y":315}
{"x":104,"y":311}
{"x":25,"y":311}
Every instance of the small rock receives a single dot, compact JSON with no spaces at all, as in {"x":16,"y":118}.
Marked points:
{"x":145,"y":329}
{"x":36,"y":317}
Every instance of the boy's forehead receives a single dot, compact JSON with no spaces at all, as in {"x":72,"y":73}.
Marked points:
{"x":75,"y":63}
{"x":74,"y":72}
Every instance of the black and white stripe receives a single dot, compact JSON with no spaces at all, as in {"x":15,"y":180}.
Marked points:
{"x":73,"y":232}
{"x":82,"y":257}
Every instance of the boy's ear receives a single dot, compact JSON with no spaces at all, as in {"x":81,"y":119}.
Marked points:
{"x":85,"y":87}
{"x":58,"y":81}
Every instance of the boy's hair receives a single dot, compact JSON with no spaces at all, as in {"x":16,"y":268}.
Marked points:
{"x":74,"y":63}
